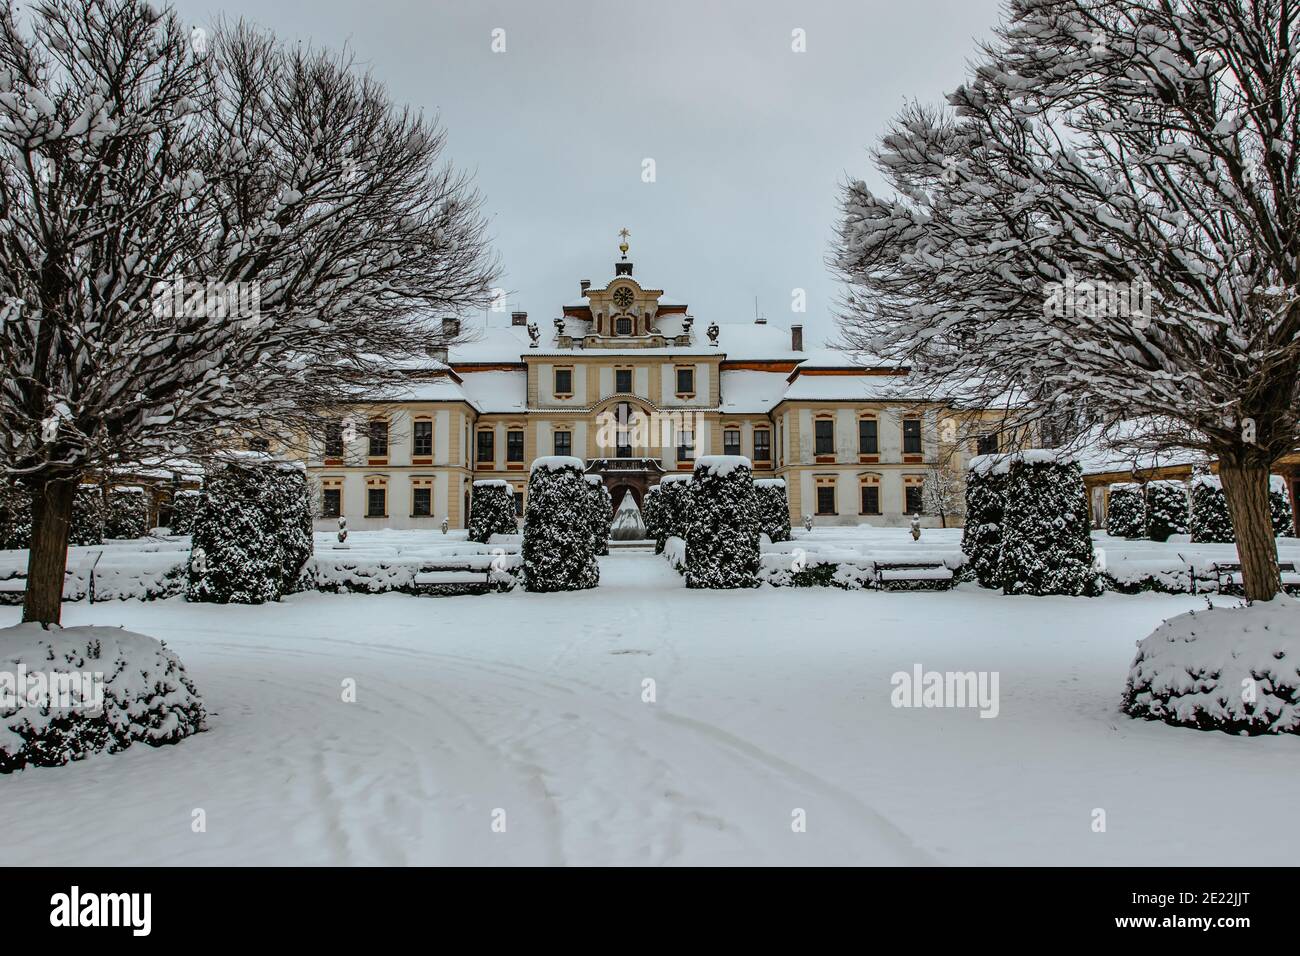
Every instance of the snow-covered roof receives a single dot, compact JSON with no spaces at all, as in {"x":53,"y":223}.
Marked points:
{"x":497,"y":391}
{"x":825,"y":388}
{"x":751,"y":391}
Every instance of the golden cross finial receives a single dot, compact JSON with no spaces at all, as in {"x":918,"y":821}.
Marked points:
{"x":622,"y":246}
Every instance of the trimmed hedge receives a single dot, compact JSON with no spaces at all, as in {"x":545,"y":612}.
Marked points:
{"x":773,"y":508}
{"x":1046,"y":543}
{"x":491,"y":509}
{"x":558,"y":546}
{"x":722,"y":546}
{"x":981,"y":539}
{"x":1167,"y":510}
{"x":1125,"y":511}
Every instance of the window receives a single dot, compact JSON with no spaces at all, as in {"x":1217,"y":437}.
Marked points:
{"x":564,"y":381}
{"x":518,"y":496}
{"x":514,"y":446}
{"x":762,"y":444}
{"x":486,"y":447}
{"x":331,"y":505}
{"x":376,"y":502}
{"x":826,"y":499}
{"x":623,"y":380}
{"x":421,"y":502}
{"x":868,"y":437}
{"x":378,"y":438}
{"x":731,"y":441}
{"x":914,"y":502}
{"x":422,"y":439}
{"x":986,"y":445}
{"x":911,"y":436}
{"x":824,"y":430}
{"x":334,"y":440}
{"x":563,"y":444}
{"x":685,"y":444}
{"x":686,"y":381}
{"x":871,"y":499}
{"x":259,"y":444}
{"x":623,"y":325}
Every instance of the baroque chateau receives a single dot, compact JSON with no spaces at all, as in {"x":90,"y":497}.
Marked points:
{"x":633,"y":384}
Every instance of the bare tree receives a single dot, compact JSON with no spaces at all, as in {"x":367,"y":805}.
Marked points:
{"x":1104,"y":224}
{"x":943,"y":491}
{"x":202,"y":236}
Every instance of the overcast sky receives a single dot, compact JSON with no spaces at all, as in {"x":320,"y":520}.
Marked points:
{"x":750,"y":140}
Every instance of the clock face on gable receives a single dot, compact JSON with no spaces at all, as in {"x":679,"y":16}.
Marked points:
{"x":623,"y":297}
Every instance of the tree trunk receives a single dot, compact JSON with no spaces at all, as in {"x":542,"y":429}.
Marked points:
{"x":47,"y":561}
{"x":1246,"y":489}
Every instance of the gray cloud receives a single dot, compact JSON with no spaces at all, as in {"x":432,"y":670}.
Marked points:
{"x":750,"y":139}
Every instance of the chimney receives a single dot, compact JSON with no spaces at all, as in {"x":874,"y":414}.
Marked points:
{"x":796,"y":338}
{"x":585,"y":284}
{"x":450,"y":328}
{"x":518,"y":318}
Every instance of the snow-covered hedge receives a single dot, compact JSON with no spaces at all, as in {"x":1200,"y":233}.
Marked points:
{"x":773,"y":508}
{"x":600,"y":513}
{"x":87,"y":525}
{"x":185,"y":505}
{"x":126,"y":512}
{"x":1166,"y":506}
{"x":252,"y":532}
{"x":1280,"y":505}
{"x":1231,"y":669}
{"x":1209,"y":521}
{"x":722,"y":526}
{"x":491,"y":509}
{"x":675,"y":553}
{"x":15,"y":516}
{"x":981,"y":538}
{"x":119,"y":688}
{"x":1125,"y":511}
{"x":558,"y":548}
{"x":652,"y":513}
{"x":676,"y":504}
{"x":358,"y":573}
{"x":1046,"y":545}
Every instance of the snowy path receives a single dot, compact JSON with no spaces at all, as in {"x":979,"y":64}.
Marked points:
{"x":767,"y":702}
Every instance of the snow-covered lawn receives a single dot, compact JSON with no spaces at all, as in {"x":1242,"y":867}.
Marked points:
{"x":768,"y":701}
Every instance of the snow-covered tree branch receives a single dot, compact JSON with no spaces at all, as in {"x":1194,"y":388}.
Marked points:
{"x":202,"y":236}
{"x":1103,"y":221}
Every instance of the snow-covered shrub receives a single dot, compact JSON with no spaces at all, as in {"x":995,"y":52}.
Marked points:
{"x":104,"y":689}
{"x":600,"y":513}
{"x":675,"y":553}
{"x":722,"y":524}
{"x":653,"y":517}
{"x":15,"y":516}
{"x":1209,"y":520}
{"x":185,"y":505}
{"x":491,"y":509}
{"x":126,"y":512}
{"x":289,"y":508}
{"x":982,"y":536}
{"x":558,"y":549}
{"x":676,"y":504}
{"x":87,"y":525}
{"x":773,"y":508}
{"x":628,"y":524}
{"x":1230,"y":669}
{"x":1279,"y":503}
{"x":1125,"y":511}
{"x":235,"y":555}
{"x":1046,"y":529}
{"x":1167,"y":512}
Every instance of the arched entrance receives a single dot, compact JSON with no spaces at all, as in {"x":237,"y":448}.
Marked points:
{"x":617,"y":491}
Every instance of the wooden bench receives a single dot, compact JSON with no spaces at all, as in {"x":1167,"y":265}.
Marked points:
{"x":13,"y":590}
{"x":471,"y":574}
{"x":914,"y":576}
{"x":1229,"y":577}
